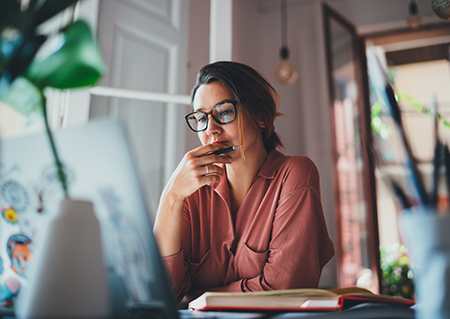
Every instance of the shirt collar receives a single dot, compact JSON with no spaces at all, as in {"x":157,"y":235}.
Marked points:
{"x":271,"y":165}
{"x":268,"y":170}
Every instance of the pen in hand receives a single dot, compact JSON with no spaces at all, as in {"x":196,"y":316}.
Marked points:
{"x":223,"y":150}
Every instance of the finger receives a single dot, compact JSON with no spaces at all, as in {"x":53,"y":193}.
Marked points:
{"x":213,"y":159}
{"x":204,"y":179}
{"x":209,"y":179}
{"x":223,"y":158}
{"x":213,"y":170}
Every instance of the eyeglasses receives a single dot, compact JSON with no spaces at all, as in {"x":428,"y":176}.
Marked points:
{"x":222,"y":113}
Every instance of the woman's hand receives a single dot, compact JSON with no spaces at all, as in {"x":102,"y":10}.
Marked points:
{"x":195,"y":170}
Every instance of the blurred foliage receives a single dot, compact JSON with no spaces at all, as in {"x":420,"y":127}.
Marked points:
{"x":396,"y":271}
{"x":379,"y":107}
{"x":377,"y":123}
{"x":406,"y":97}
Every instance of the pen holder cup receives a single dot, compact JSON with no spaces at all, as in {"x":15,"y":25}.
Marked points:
{"x":427,"y":235}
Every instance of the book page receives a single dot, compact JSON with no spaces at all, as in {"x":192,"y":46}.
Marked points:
{"x":351,"y":290}
{"x":278,"y":293}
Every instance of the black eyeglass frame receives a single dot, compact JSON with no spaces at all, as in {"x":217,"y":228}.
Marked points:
{"x":233,"y":102}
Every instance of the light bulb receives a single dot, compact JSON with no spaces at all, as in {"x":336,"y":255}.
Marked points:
{"x":285,"y":72}
{"x":413,"y":15}
{"x":414,"y":21}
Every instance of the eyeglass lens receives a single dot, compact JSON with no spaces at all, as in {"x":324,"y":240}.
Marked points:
{"x":223,"y":113}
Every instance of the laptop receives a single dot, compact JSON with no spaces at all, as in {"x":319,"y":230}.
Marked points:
{"x":99,"y":168}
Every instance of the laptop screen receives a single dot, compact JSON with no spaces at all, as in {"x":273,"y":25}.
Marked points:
{"x":99,"y":168}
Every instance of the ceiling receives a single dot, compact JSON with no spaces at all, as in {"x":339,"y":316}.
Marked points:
{"x":363,"y":12}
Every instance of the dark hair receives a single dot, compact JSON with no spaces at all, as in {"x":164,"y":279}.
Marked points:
{"x":255,"y":96}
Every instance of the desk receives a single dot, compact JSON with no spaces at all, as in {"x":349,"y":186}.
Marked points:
{"x":362,"y":311}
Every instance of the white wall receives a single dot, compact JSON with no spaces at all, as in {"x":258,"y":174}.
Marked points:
{"x":304,"y":128}
{"x":256,"y":31}
{"x":198,"y":54}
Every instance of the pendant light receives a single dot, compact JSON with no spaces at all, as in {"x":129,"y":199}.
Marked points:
{"x":413,"y":15}
{"x":441,"y":8}
{"x":284,"y":71}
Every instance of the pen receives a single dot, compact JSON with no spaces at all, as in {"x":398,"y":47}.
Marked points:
{"x":447,"y":165}
{"x":412,"y":163}
{"x":400,"y":195}
{"x":223,"y":150}
{"x":437,"y":157}
{"x":385,"y":92}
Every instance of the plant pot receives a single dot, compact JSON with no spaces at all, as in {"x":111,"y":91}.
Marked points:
{"x":427,"y":235}
{"x":67,"y":279}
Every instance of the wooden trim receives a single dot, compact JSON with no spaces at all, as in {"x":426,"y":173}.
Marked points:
{"x":408,"y":34}
{"x":369,"y":169}
{"x":339,"y":251}
{"x":369,"y":162}
{"x":417,"y":55}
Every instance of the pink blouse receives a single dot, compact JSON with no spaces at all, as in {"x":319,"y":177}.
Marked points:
{"x":278,"y":239}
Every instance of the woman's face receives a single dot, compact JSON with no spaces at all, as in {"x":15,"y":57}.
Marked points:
{"x":206,"y":98}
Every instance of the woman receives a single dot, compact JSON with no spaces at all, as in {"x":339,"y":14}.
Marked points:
{"x":247,"y":220}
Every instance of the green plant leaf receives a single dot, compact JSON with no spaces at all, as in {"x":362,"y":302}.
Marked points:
{"x":77,"y":63}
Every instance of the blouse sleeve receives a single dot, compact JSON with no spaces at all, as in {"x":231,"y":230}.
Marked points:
{"x":176,"y":265}
{"x":300,"y":245}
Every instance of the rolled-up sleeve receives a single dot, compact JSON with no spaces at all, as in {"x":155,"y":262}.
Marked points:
{"x":177,"y":266}
{"x":176,"y":271}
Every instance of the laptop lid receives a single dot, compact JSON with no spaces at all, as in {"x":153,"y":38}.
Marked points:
{"x":99,"y":168}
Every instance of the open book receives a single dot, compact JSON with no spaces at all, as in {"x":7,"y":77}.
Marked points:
{"x":294,"y":300}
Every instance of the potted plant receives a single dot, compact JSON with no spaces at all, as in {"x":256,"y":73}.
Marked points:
{"x":26,"y":71}
{"x":24,"y":76}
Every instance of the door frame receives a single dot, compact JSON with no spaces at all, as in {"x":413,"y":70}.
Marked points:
{"x":391,"y":36}
{"x":369,"y":171}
